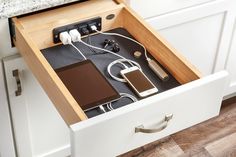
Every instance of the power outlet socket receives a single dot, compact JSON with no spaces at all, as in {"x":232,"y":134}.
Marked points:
{"x":81,"y":26}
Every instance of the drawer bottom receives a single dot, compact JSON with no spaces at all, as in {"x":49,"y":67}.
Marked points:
{"x":60,"y":56}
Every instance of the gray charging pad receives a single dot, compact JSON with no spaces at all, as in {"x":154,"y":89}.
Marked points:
{"x":60,"y":56}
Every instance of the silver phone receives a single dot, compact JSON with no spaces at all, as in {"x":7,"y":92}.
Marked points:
{"x":138,"y":81}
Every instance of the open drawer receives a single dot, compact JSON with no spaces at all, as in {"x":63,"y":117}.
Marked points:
{"x":134,"y":125}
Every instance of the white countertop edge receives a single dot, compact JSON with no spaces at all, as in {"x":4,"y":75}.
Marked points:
{"x":11,"y":8}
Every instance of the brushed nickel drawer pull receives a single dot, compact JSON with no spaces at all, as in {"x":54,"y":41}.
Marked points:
{"x":154,"y":130}
{"x":18,"y":82}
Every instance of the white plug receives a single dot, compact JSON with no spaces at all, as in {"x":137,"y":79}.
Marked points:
{"x":93,"y":28}
{"x":75,"y":35}
{"x":65,"y":38}
{"x":102,"y":108}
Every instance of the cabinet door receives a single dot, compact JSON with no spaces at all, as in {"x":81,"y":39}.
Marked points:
{"x":231,"y":62}
{"x":204,"y":29}
{"x":39,"y":129}
{"x":6,"y":139}
{"x":152,"y":8}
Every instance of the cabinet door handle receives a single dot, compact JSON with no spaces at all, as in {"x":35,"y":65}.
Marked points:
{"x":166,"y":120}
{"x":15,"y":73}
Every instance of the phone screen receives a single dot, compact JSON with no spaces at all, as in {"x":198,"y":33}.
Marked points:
{"x":139,"y":81}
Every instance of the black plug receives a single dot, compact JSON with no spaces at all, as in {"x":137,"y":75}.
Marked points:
{"x":85,"y":31}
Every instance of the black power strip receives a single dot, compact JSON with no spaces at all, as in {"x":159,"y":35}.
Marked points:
{"x":80,"y":26}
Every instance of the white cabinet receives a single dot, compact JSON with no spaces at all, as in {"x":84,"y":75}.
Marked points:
{"x":201,"y":30}
{"x":195,"y":42}
{"x":152,"y":8}
{"x":113,"y":133}
{"x":6,"y":137}
{"x":231,"y":63}
{"x":39,"y":129}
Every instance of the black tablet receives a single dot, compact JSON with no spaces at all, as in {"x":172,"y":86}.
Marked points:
{"x":87,"y":84}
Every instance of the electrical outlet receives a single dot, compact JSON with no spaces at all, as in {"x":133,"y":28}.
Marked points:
{"x":82,"y":27}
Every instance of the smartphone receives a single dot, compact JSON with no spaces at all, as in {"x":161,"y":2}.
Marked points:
{"x":138,"y":81}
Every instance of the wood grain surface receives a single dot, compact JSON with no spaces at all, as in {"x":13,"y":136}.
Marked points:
{"x":213,"y":138}
{"x":32,"y":35}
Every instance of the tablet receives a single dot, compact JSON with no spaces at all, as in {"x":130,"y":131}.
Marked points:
{"x":87,"y":84}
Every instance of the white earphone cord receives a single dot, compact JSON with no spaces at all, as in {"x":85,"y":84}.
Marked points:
{"x":123,"y":36}
{"x":101,"y":49}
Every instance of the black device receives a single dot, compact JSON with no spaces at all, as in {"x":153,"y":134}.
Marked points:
{"x":87,"y":84}
{"x":108,"y":42}
{"x":115,"y":46}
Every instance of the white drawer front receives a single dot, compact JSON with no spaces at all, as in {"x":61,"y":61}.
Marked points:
{"x":113,"y":133}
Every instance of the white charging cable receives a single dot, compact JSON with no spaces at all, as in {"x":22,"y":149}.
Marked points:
{"x":94,"y":28}
{"x":101,"y":49}
{"x":121,"y":61}
{"x":123,"y":95}
{"x":76,"y":37}
{"x":102,"y":108}
{"x":73,"y":35}
{"x":67,"y":38}
{"x":154,"y":66}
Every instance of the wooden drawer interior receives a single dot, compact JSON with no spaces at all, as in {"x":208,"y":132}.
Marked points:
{"x":34,"y":33}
